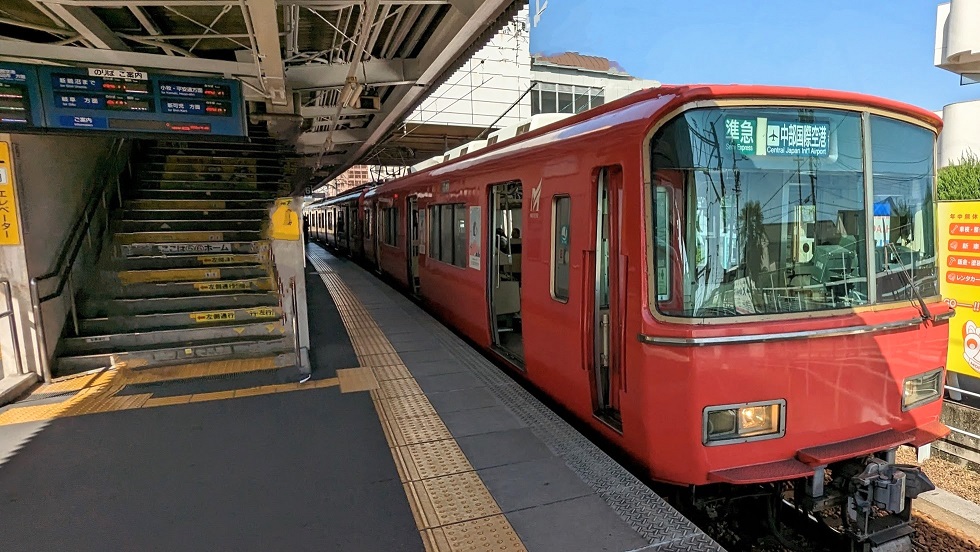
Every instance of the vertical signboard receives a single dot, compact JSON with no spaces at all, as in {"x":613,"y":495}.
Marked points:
{"x":474,"y":249}
{"x":959,"y":234}
{"x":9,"y":216}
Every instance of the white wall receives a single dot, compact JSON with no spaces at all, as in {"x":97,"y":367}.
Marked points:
{"x":487,"y":85}
{"x":961,"y":132}
{"x":614,"y":87}
{"x":54,"y":180}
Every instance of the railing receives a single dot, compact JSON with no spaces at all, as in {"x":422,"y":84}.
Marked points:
{"x":955,"y":394}
{"x":98,"y":208}
{"x":12,"y":321}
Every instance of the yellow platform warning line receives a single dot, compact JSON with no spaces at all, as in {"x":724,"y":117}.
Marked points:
{"x":452,"y":507}
{"x":97,"y":392}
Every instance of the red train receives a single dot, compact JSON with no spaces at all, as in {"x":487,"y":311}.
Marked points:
{"x":732,"y":284}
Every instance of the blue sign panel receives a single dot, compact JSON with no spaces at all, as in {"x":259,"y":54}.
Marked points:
{"x":20,"y":103}
{"x":137,"y":102}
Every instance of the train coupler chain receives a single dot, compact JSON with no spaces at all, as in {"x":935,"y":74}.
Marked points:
{"x":879,"y":505}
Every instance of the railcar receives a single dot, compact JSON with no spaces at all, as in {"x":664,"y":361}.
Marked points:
{"x":734,"y":285}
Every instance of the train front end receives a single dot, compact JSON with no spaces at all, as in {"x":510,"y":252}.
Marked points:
{"x":794,"y":322}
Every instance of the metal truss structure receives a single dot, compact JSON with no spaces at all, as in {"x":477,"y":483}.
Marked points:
{"x":334,"y":76}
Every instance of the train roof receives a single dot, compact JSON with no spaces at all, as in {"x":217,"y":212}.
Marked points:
{"x":665,"y":98}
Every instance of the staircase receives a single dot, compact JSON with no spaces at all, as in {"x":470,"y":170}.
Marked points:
{"x":189,"y":276}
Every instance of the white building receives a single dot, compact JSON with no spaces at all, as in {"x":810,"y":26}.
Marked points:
{"x":958,"y":50}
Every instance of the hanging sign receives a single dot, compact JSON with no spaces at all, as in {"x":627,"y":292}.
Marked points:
{"x":9,"y":216}
{"x":959,"y":263}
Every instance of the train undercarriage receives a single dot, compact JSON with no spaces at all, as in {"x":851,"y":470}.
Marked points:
{"x":857,"y":505}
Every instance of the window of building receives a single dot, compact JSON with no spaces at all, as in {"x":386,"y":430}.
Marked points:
{"x":447,"y":234}
{"x":561,"y":247}
{"x":564,"y":98}
{"x":389,"y":229}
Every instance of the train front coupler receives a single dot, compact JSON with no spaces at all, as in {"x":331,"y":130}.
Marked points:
{"x":878,"y":505}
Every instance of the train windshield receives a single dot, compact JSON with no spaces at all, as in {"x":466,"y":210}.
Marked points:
{"x":761,"y":211}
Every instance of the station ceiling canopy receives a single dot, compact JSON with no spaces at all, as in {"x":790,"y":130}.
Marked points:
{"x":335,"y":77}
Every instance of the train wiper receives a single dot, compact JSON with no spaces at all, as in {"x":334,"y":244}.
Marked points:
{"x":923,"y":309}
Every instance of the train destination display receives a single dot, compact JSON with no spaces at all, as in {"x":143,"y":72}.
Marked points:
{"x":120,"y":100}
{"x":19,"y":103}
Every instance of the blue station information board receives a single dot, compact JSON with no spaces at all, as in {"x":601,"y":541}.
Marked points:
{"x":124,"y":100}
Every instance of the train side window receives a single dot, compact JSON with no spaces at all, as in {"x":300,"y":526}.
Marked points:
{"x":330,"y":220}
{"x":389,"y":218}
{"x":561,"y":216}
{"x":434,"y":250}
{"x":460,"y":245}
{"x":447,"y":234}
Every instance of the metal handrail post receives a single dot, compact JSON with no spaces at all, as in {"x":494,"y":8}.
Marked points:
{"x":15,"y":340}
{"x":71,"y":299}
{"x":42,"y":342}
{"x":295,"y":306}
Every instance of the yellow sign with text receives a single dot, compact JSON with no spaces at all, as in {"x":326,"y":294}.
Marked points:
{"x":9,"y":217}
{"x":959,"y":263}
{"x":285,"y":221}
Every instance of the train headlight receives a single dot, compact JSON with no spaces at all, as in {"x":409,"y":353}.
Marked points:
{"x":922,"y":389}
{"x":739,"y":423}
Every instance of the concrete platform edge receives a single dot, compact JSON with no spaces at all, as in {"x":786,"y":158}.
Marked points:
{"x":950,"y":509}
{"x":12,"y":387}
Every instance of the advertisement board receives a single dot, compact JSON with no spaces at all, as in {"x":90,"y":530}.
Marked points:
{"x":959,"y":263}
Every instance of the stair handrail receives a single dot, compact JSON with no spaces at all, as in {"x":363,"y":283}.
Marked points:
{"x":64,"y":265}
{"x":11,"y":317}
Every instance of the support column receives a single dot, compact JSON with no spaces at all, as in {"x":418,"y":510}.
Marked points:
{"x":289,"y":253}
{"x":13,"y":266}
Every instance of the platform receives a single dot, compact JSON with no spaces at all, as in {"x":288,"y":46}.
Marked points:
{"x":404,"y":439}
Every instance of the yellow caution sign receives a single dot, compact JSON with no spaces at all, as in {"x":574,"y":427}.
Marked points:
{"x":959,"y":268}
{"x":219,"y":259}
{"x":212,"y":316}
{"x":9,"y":217}
{"x":285,"y":221}
{"x":223,"y":286}
{"x":261,"y":312}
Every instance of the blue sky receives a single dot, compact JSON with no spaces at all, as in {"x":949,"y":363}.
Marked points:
{"x":878,"y":47}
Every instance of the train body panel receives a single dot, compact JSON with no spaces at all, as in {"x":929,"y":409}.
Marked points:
{"x":538,"y":249}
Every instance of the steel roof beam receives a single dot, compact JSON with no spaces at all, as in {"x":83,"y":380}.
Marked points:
{"x":261,"y":20}
{"x":443,"y":47}
{"x":330,"y":111}
{"x":89,"y":26}
{"x":378,"y":71}
{"x":28,"y":50}
{"x":340,"y":136}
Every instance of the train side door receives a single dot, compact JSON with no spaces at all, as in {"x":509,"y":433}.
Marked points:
{"x":609,"y":272}
{"x":377,"y":235}
{"x":504,"y":270}
{"x":414,"y":243}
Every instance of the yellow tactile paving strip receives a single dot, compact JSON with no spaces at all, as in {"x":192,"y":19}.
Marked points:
{"x":96,"y":393}
{"x":452,"y":507}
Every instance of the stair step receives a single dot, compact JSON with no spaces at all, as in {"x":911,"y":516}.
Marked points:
{"x":154,"y":305}
{"x":162,"y":262}
{"x":193,"y":248}
{"x":157,"y":276}
{"x":136,"y":340}
{"x":201,"y":149}
{"x":201,"y":351}
{"x":172,"y":208}
{"x":191,"y":288}
{"x":202,"y":224}
{"x":174,"y":176}
{"x":178,"y":320}
{"x":125,"y":238}
{"x":181,"y":194}
{"x":177,"y":170}
{"x":193,"y":213}
{"x":158,"y":184}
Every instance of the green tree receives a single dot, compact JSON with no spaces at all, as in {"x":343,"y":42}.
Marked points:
{"x":960,"y":180}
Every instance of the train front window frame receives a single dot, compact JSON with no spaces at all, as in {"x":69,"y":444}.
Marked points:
{"x":815,"y":219}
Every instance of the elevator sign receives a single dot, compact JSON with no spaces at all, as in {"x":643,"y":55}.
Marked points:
{"x":762,"y":136}
{"x":9,"y":217}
